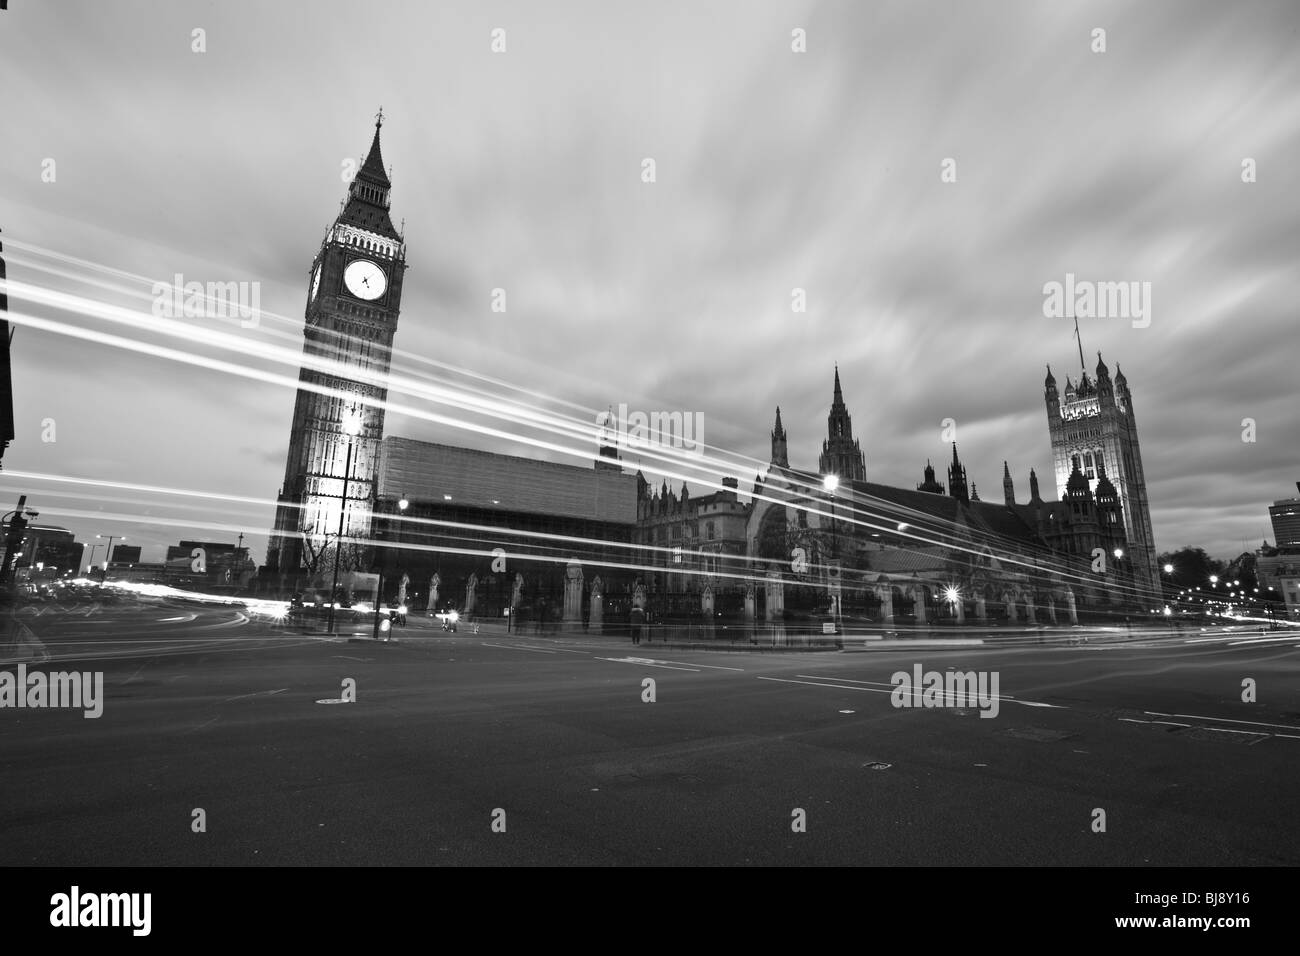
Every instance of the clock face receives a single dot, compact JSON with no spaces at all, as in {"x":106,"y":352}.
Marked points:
{"x":315,"y":283}
{"x":364,"y":279}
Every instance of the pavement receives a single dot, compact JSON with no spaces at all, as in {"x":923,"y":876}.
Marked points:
{"x":501,"y":749}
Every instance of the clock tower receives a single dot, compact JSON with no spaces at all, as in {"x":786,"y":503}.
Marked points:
{"x":354,"y":295}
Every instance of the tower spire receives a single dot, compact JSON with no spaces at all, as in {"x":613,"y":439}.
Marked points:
{"x":957,"y":478}
{"x":841,"y":453}
{"x":779,"y":454}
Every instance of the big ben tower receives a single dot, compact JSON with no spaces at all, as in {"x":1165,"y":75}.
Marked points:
{"x":1094,"y":428}
{"x":353,"y":301}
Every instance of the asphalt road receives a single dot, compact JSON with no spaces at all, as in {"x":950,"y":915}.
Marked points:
{"x":206,"y":709}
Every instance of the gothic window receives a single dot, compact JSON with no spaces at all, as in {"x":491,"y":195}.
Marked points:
{"x":708,"y":530}
{"x":1087,"y":466}
{"x":1074,"y":461}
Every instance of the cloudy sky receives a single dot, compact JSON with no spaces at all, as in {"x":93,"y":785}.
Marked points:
{"x":775,"y":170}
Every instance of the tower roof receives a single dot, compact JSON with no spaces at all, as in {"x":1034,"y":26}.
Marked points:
{"x":1050,"y":381}
{"x":839,"y":395}
{"x":1077,"y":484}
{"x":373,"y":168}
{"x":367,"y":203}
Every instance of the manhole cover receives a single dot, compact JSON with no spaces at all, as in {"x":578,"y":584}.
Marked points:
{"x":877,"y":765}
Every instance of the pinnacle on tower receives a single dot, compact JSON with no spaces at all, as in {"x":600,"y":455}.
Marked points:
{"x":1008,"y":486}
{"x":957,"y":477}
{"x":841,"y":453}
{"x":780,"y":455}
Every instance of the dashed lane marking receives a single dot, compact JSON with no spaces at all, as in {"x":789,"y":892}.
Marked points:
{"x":1221,"y":720}
{"x":645,"y":663}
{"x":259,"y":693}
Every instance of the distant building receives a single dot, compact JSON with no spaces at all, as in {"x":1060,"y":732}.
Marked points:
{"x":48,"y":547}
{"x":125,"y":554}
{"x":1278,"y":568}
{"x":689,"y":542}
{"x":486,"y":524}
{"x":215,"y":565}
{"x":1285,"y":515}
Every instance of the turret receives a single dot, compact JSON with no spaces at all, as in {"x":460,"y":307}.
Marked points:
{"x":1051,"y":397}
{"x":930,"y":485}
{"x":779,"y":455}
{"x":1008,"y":487}
{"x":957,"y":478}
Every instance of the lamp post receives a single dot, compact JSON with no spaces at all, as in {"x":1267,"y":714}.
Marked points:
{"x":90,"y":566}
{"x":108,"y":554}
{"x":15,"y":523}
{"x":829,"y":484}
{"x":381,"y":559}
{"x":351,"y":426}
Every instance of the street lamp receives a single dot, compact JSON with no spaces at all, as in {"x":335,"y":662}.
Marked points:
{"x":15,"y":524}
{"x":351,"y":426}
{"x":381,"y":559}
{"x":829,"y":484}
{"x":108,"y":554}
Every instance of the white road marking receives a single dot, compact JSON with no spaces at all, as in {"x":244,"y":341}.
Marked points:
{"x":1026,"y":703}
{"x":519,"y":647}
{"x":644,"y":663}
{"x":784,"y":680}
{"x":1221,"y":720}
{"x":1229,"y":730}
{"x":715,"y":667}
{"x":344,"y":657}
{"x":259,"y":693}
{"x":1034,"y":703}
{"x":137,"y":672}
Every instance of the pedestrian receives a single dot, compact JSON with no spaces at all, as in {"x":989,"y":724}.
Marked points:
{"x":637,"y":620}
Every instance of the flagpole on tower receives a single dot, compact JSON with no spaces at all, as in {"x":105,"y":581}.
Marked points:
{"x":1079,"y":339}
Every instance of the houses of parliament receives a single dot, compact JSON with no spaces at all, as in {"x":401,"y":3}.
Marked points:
{"x":493,"y":532}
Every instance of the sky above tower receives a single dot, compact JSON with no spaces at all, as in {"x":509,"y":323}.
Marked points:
{"x":918,"y":176}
